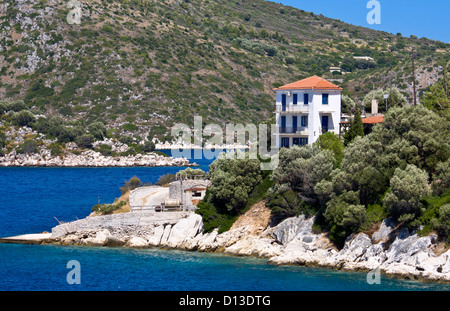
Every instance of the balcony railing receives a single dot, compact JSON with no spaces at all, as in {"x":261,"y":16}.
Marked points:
{"x":293,"y":130}
{"x":292,"y":108}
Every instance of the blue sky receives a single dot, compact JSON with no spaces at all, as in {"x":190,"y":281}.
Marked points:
{"x":428,"y":19}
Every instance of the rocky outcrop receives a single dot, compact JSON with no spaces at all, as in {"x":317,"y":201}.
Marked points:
{"x":293,"y":241}
{"x":88,"y":158}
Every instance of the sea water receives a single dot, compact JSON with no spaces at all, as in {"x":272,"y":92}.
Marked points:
{"x":33,"y":200}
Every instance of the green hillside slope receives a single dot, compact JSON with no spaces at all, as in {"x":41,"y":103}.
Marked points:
{"x":141,"y":66}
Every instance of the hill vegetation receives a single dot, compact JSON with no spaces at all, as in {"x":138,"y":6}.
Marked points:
{"x":139,"y":66}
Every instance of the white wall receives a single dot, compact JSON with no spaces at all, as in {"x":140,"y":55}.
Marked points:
{"x":315,"y":110}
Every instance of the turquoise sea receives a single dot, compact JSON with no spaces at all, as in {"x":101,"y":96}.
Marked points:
{"x":31,"y":199}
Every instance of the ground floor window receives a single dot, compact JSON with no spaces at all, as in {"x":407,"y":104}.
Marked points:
{"x":285,"y":142}
{"x":300,"y":141}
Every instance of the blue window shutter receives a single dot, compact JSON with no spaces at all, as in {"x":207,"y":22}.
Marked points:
{"x":295,"y":99}
{"x":305,"y":99}
{"x":324,"y":99}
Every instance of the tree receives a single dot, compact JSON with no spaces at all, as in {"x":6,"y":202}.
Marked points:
{"x":17,"y":105}
{"x":360,"y":170}
{"x":232,"y":181}
{"x":148,"y":146}
{"x":98,"y":130}
{"x":441,"y":180}
{"x":395,"y":99}
{"x":191,"y":173}
{"x":408,"y":186}
{"x":28,"y":146}
{"x":23,"y":118}
{"x":85,"y":141}
{"x":413,"y":135}
{"x":131,"y":184}
{"x":344,"y":215}
{"x":348,"y":104}
{"x":330,"y":141}
{"x":301,"y":168}
{"x":355,"y":128}
{"x":437,"y":98}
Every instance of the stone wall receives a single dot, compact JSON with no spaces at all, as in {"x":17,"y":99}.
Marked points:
{"x":127,"y":224}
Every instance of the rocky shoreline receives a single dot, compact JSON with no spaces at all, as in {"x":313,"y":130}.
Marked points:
{"x":89,"y":158}
{"x":394,"y":251}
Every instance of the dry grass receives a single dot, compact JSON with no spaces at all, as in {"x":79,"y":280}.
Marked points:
{"x":126,"y":208}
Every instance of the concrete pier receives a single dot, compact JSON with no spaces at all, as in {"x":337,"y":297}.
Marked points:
{"x":37,"y":238}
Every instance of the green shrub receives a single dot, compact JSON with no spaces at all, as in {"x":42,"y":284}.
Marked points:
{"x":408,"y":186}
{"x":331,"y":141}
{"x":56,"y":149}
{"x":23,"y":118}
{"x":16,"y":106}
{"x":166,"y":179}
{"x":214,"y":217}
{"x":28,"y":147}
{"x":131,"y":184}
{"x":126,"y":139}
{"x":106,"y":209}
{"x":105,"y":150}
{"x":85,"y":141}
{"x":232,"y":181}
{"x":130,"y":127}
{"x":98,"y":130}
{"x":148,"y":146}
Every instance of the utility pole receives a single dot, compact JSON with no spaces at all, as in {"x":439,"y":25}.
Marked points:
{"x":414,"y":76}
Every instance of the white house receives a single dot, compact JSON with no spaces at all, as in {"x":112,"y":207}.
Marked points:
{"x":305,"y":109}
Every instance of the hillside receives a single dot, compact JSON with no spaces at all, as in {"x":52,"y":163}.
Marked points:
{"x":140,"y":66}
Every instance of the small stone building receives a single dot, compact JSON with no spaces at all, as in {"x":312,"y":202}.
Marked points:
{"x":188,"y":192}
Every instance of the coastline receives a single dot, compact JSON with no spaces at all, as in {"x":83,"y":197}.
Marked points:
{"x":91,"y":158}
{"x":394,"y":252}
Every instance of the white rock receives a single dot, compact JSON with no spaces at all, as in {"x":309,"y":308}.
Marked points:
{"x":101,"y":238}
{"x":355,"y":247}
{"x":155,"y":239}
{"x":290,"y":228}
{"x":386,"y":228}
{"x":137,"y":242}
{"x":446,"y":266}
{"x":185,"y":229}
{"x":207,"y":241}
{"x":166,"y":234}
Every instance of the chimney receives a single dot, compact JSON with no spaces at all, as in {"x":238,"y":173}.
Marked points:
{"x":374,"y":106}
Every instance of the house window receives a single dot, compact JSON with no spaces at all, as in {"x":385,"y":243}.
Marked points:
{"x":285,"y":142}
{"x":294,"y":124}
{"x":304,"y":121}
{"x":324,"y":99}
{"x":295,"y":99}
{"x":305,"y":99}
{"x":196,"y":194}
{"x":283,"y":124}
{"x":299,"y":141}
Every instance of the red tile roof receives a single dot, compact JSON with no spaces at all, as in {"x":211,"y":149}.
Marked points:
{"x":313,"y":82}
{"x":373,"y":120}
{"x":370,"y":120}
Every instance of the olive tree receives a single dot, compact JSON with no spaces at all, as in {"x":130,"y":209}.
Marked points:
{"x":413,"y":135}
{"x":395,"y":99}
{"x":408,"y":186}
{"x":232,"y":180}
{"x":23,"y":118}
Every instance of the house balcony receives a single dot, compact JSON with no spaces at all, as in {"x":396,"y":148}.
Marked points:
{"x":292,"y":131}
{"x":292,"y":109}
